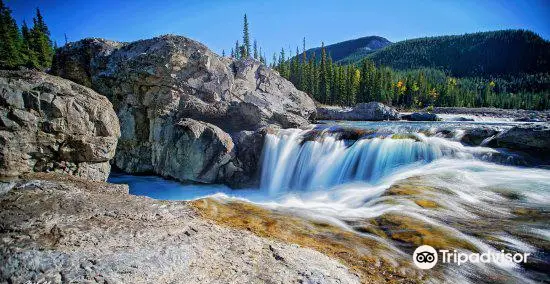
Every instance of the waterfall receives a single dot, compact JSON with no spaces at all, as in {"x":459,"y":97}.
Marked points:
{"x":290,"y":162}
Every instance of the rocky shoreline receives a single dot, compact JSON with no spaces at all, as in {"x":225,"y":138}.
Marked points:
{"x":512,"y":114}
{"x":62,"y":229}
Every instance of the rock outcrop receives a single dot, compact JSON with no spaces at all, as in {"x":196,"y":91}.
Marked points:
{"x":51,"y":124}
{"x":420,"y":116}
{"x":154,"y":84}
{"x":475,"y":136}
{"x":372,"y":111}
{"x":531,"y":138}
{"x":72,"y":231}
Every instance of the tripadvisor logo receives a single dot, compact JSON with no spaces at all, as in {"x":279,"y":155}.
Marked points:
{"x":425,"y":257}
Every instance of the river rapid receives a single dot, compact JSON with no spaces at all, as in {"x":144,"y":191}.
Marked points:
{"x":403,"y":184}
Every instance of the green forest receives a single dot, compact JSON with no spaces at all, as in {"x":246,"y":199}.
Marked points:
{"x":505,"y":69}
{"x":30,"y":47}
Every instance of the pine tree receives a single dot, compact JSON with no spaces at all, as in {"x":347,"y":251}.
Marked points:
{"x":232,"y":53}
{"x":223,"y":52}
{"x":255,"y":50}
{"x":10,"y":39}
{"x":66,"y":39}
{"x":246,"y":38}
{"x":324,"y":88}
{"x":303,"y":67}
{"x":237,"y":50}
{"x":40,"y":41}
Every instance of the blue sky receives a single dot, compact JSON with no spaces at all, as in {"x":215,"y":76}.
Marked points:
{"x":277,"y":24}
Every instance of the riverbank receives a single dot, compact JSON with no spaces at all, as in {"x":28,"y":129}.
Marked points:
{"x":503,"y":114}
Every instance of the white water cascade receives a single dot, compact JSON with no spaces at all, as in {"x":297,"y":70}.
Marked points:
{"x":290,"y":163}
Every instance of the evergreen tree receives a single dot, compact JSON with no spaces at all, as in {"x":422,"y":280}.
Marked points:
{"x":10,"y":39}
{"x":246,"y":38}
{"x":255,"y":49}
{"x":237,"y":50}
{"x":324,"y":87}
{"x":303,"y":67}
{"x":223,"y":52}
{"x":40,"y":41}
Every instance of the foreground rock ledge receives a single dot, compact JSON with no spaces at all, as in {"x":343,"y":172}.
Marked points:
{"x":62,"y":229}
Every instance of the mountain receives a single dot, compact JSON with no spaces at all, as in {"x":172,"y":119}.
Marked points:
{"x":351,"y":50}
{"x":493,"y":53}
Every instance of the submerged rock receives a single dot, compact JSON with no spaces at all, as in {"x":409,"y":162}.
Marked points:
{"x":52,"y":124}
{"x":156,"y":83}
{"x":421,"y":116}
{"x":372,"y":111}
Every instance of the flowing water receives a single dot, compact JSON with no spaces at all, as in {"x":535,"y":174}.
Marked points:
{"x":402,"y":177}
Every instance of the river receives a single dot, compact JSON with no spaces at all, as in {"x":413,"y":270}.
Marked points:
{"x":401,"y":177}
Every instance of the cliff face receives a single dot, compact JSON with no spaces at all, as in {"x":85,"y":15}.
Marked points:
{"x":51,"y":124}
{"x":158,"y":83}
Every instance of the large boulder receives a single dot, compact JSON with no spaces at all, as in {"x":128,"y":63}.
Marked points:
{"x":531,"y":138}
{"x":475,"y":136}
{"x":421,"y":116}
{"x":193,"y":150}
{"x":155,"y":83}
{"x":372,"y":111}
{"x":51,"y":124}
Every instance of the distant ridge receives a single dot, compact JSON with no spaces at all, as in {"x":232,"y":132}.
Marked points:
{"x":349,"y":50}
{"x":485,"y":54}
{"x":504,"y":52}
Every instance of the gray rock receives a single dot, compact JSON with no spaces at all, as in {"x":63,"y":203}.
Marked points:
{"x":249,"y":145}
{"x":52,"y":124}
{"x":192,"y":150}
{"x":155,"y":83}
{"x":475,"y":136}
{"x":372,"y":111}
{"x":530,"y":137}
{"x":421,"y":116}
{"x":73,"y":231}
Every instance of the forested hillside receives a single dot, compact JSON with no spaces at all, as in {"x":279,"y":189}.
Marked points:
{"x":506,"y":69}
{"x":480,"y":54}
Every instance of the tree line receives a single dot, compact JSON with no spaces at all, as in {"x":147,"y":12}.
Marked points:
{"x":345,"y":85}
{"x":30,"y":47}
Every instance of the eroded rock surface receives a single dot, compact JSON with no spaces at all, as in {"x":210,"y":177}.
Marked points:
{"x":51,"y":124}
{"x":156,"y":83}
{"x":69,"y":230}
